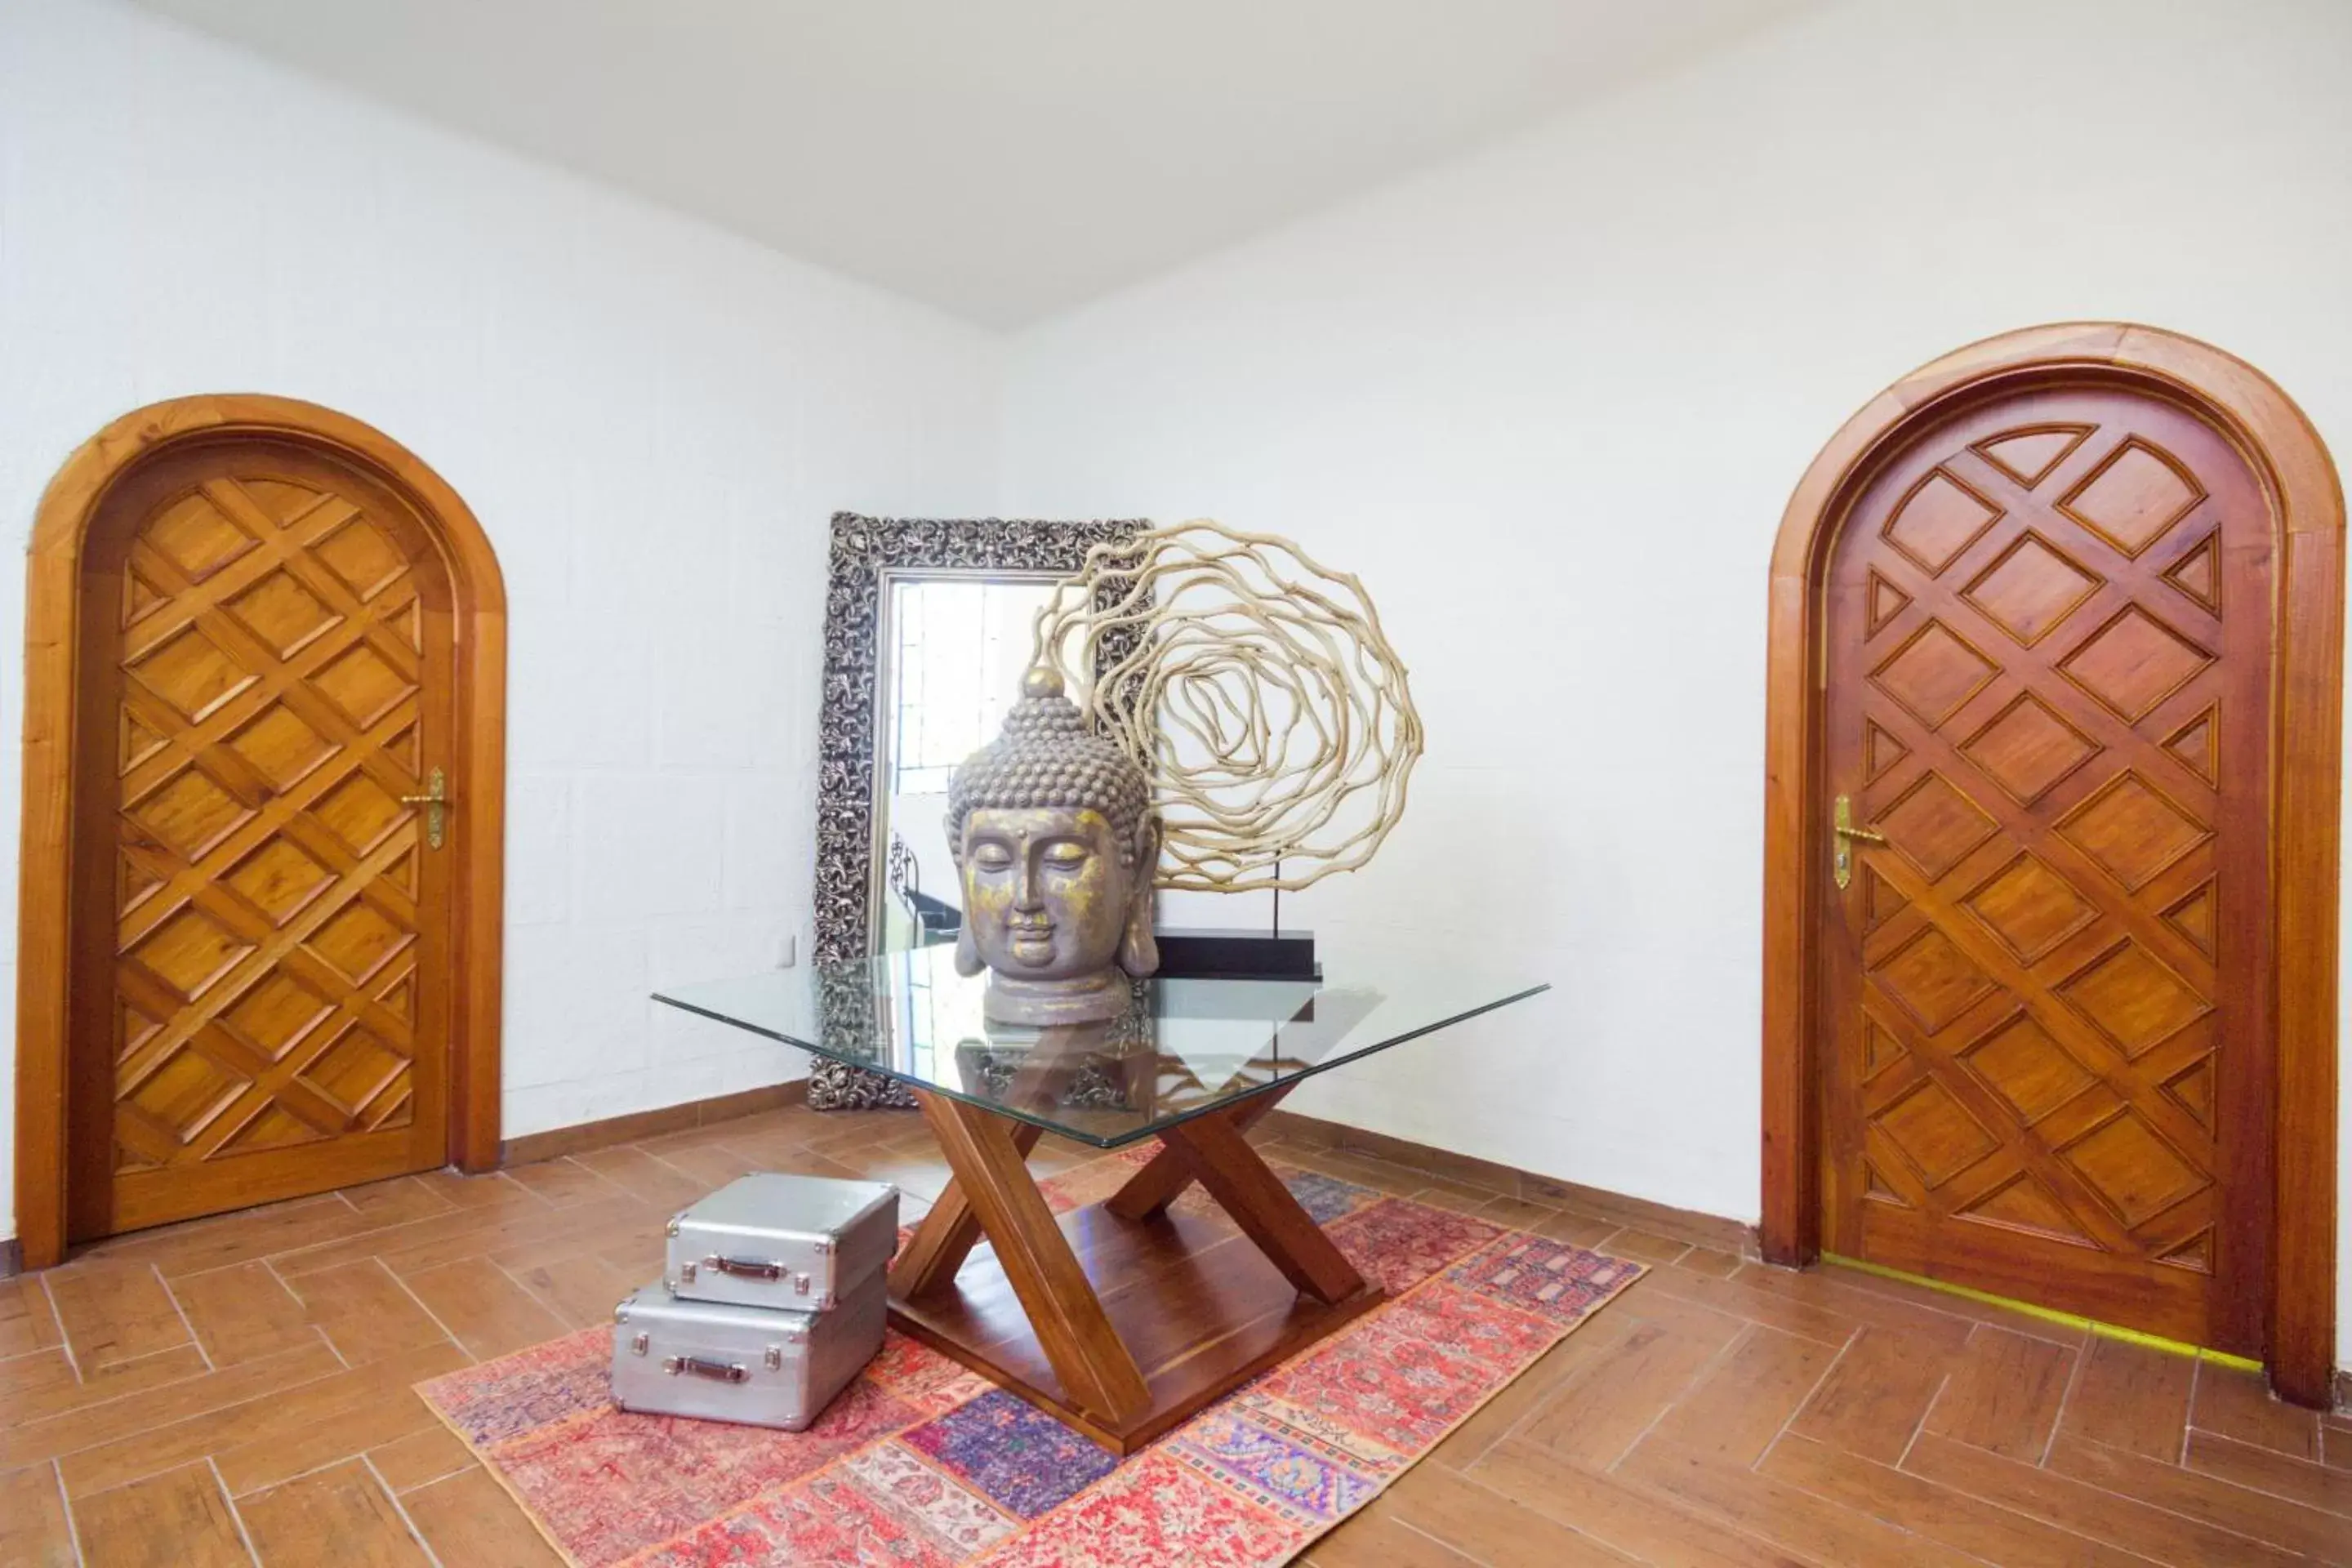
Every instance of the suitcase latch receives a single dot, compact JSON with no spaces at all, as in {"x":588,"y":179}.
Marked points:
{"x":695,"y":1366}
{"x":800,"y":1284}
{"x":775,"y":1358}
{"x":639,"y":1344}
{"x":745,"y":1267}
{"x":685,"y":1273}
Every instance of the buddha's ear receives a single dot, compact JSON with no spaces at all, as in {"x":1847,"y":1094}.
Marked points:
{"x":967,"y":953}
{"x":1138,"y":950}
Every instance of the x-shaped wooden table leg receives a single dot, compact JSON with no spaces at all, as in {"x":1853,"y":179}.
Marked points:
{"x":993,"y":1195}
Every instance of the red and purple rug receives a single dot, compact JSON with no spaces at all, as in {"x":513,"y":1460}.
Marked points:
{"x":921,"y":1464}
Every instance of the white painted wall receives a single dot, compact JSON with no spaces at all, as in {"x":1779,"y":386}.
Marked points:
{"x":651,"y":419}
{"x":1549,"y":401}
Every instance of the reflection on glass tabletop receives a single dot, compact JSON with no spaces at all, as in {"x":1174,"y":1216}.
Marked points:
{"x":1185,"y":1047}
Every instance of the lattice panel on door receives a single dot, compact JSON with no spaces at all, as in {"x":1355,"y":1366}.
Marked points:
{"x":267,"y":895}
{"x":2040,"y":706}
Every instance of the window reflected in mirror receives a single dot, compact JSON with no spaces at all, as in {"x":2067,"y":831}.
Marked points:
{"x":954,"y":648}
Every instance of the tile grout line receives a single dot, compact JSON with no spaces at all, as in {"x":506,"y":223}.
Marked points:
{"x":73,"y":1526}
{"x":1798,"y":1409}
{"x":550,"y":1308}
{"x":1705,"y":1370}
{"x":1933,"y":1400}
{"x":431,"y":1316}
{"x":65,"y":1340}
{"x":1440,"y":1542}
{"x":401,"y":1509}
{"x":174,"y":1297}
{"x":2066,"y":1397}
{"x":235,"y":1517}
{"x":2188,"y":1416}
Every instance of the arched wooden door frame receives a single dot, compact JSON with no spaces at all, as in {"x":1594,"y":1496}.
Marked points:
{"x":52,"y":636}
{"x":2307,"y":507}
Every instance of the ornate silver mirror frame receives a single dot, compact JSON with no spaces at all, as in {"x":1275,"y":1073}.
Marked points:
{"x":867,"y":552}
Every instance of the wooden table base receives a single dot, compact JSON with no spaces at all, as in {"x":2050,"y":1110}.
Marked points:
{"x":1122,"y":1318}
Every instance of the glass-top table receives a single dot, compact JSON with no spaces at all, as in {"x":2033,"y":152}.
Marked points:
{"x":1110,"y":1301}
{"x":1184,"y":1047}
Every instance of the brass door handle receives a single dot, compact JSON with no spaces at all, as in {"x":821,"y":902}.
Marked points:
{"x":1842,"y":836}
{"x":435,"y":802}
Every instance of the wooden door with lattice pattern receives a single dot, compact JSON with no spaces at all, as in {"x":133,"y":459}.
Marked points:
{"x":266,"y":685}
{"x":2048,"y":676}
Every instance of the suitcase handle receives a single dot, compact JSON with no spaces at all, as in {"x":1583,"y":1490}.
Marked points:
{"x":746,"y":1268}
{"x":718,"y":1371}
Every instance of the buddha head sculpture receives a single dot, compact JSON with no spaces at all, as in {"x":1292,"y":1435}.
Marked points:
{"x":1055,"y":843}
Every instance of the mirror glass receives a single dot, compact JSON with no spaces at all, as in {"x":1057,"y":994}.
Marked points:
{"x":953,"y":647}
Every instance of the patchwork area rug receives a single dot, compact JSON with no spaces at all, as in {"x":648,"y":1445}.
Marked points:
{"x":921,"y":1464}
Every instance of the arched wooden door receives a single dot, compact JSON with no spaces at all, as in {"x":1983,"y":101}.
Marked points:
{"x":272,"y":923}
{"x":2053,"y":723}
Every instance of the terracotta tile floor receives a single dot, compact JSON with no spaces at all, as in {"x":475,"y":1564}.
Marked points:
{"x":236,"y":1389}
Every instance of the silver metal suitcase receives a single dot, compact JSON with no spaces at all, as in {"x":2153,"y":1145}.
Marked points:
{"x":750,"y":1364}
{"x":776,"y":1240}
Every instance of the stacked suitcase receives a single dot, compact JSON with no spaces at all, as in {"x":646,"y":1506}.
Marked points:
{"x":772,"y":1296}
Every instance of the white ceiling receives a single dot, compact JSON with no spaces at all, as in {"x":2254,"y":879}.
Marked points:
{"x":1003,"y":158}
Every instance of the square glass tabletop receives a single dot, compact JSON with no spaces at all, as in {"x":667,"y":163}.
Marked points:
{"x":1184,"y":1047}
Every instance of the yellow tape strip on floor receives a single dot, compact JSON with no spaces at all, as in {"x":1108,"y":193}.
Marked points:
{"x":2106,"y":1331}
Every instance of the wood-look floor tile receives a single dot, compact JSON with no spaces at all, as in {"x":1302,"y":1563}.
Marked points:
{"x":282,"y":1414}
{"x":114,"y":1311}
{"x":365,"y":1313}
{"x":2207,"y":1498}
{"x":2236,"y":1403}
{"x":346,"y":1432}
{"x":2003,"y":1393}
{"x":1491,"y":1529}
{"x":33,"y":1528}
{"x":493,"y":1191}
{"x":1375,"y":1537}
{"x":1875,"y":1397}
{"x":115,"y":1420}
{"x":1648,"y":1245}
{"x":2266,"y":1470}
{"x":563,"y":1181}
{"x":582,"y":1289}
{"x":634,"y":1171}
{"x":468,"y":1518}
{"x":2336,"y":1442}
{"x":484,"y":1308}
{"x":178,"y":1518}
{"x":449,"y":1239}
{"x":1738,"y":1407}
{"x":420,"y":1458}
{"x":2095,"y":1512}
{"x":710,"y":1165}
{"x":240,"y":1312}
{"x":1576,"y":1229}
{"x":243,"y":1237}
{"x":1740,"y":1297}
{"x":1649,"y":1526}
{"x":1786,"y":1515}
{"x":400,"y":1200}
{"x":1708,"y":1260}
{"x":1935,"y":1513}
{"x":35,"y":1387}
{"x":338,"y":1515}
{"x":27,"y":1324}
{"x":1596,"y":1416}
{"x":2130,"y":1396}
{"x":1835,"y":1291}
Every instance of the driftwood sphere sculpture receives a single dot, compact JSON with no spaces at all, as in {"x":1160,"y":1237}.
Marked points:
{"x":1259,"y":695}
